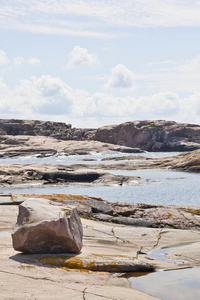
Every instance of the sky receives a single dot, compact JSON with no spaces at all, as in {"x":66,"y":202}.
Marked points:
{"x":92,"y":63}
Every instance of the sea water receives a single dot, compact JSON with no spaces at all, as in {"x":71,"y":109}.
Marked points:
{"x":159,"y":187}
{"x":170,"y":285}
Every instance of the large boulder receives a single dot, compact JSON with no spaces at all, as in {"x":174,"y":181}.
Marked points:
{"x":45,"y":227}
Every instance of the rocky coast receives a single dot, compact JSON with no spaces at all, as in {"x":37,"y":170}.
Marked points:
{"x":149,"y":135}
{"x":186,"y":161}
{"x":117,"y":237}
{"x":109,"y":250}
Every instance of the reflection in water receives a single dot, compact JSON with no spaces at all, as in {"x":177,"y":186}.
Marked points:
{"x":159,"y":254}
{"x":170,"y":285}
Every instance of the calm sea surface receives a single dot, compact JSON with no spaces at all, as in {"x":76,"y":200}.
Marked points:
{"x":158,"y":187}
{"x":170,"y":285}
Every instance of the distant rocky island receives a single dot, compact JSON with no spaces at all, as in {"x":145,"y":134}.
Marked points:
{"x":157,"y":135}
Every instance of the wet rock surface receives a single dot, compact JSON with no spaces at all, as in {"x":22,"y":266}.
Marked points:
{"x":44,"y":227}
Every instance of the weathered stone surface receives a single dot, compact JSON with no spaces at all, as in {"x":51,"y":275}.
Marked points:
{"x":102,"y":207}
{"x":52,"y":174}
{"x":45,"y":146}
{"x":186,"y":161}
{"x":137,"y":214}
{"x":152,"y":135}
{"x":128,"y":137}
{"x":127,"y":157}
{"x":35,"y":127}
{"x":110,"y":246}
{"x":45,"y":228}
{"x":131,"y":221}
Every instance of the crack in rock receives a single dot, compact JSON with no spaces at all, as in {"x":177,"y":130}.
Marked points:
{"x":117,"y":238}
{"x":31,"y":277}
{"x":84,"y":291}
{"x":45,"y":278}
{"x":140,"y":252}
{"x":158,"y":239}
{"x":106,"y":233}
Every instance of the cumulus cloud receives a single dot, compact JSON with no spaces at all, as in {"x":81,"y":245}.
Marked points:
{"x":44,"y":95}
{"x":121,"y":77}
{"x":50,"y":98}
{"x":81,"y":57}
{"x":18,"y":60}
{"x":3,"y":58}
{"x":33,"y":61}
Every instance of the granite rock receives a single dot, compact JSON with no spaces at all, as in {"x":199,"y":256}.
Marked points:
{"x":148,"y":135}
{"x":45,"y":228}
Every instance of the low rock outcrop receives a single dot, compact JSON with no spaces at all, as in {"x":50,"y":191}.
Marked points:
{"x":43,"y":146}
{"x":147,"y":135}
{"x":52,"y":174}
{"x":135,"y":214}
{"x":152,"y":135}
{"x":186,"y":161}
{"x":34,"y":127}
{"x":46,"y":228}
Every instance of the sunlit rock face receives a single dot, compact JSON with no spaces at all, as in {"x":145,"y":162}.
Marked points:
{"x":148,"y":135}
{"x":44,"y":227}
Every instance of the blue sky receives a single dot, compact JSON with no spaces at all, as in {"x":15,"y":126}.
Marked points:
{"x":93,"y":63}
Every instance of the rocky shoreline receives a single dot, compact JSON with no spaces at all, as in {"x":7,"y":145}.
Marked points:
{"x":13,"y":174}
{"x":117,"y":237}
{"x":147,"y":135}
{"x":17,"y":146}
{"x":136,"y":214}
{"x":109,"y":250}
{"x":16,"y":174}
{"x":186,"y":161}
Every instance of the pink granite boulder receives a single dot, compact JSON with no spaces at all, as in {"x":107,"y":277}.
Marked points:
{"x":45,"y":227}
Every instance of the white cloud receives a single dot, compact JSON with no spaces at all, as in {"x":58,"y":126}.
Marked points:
{"x":38,"y":96}
{"x":121,"y":78}
{"x":81,"y":57}
{"x":50,"y":98}
{"x":91,"y":18}
{"x":176,"y":77}
{"x":18,"y":60}
{"x":3,"y":58}
{"x":33,"y":61}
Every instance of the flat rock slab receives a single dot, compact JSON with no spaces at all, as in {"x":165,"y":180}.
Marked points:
{"x":10,"y":199}
{"x":15,"y":174}
{"x":26,"y":145}
{"x":37,"y":276}
{"x":186,"y":161}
